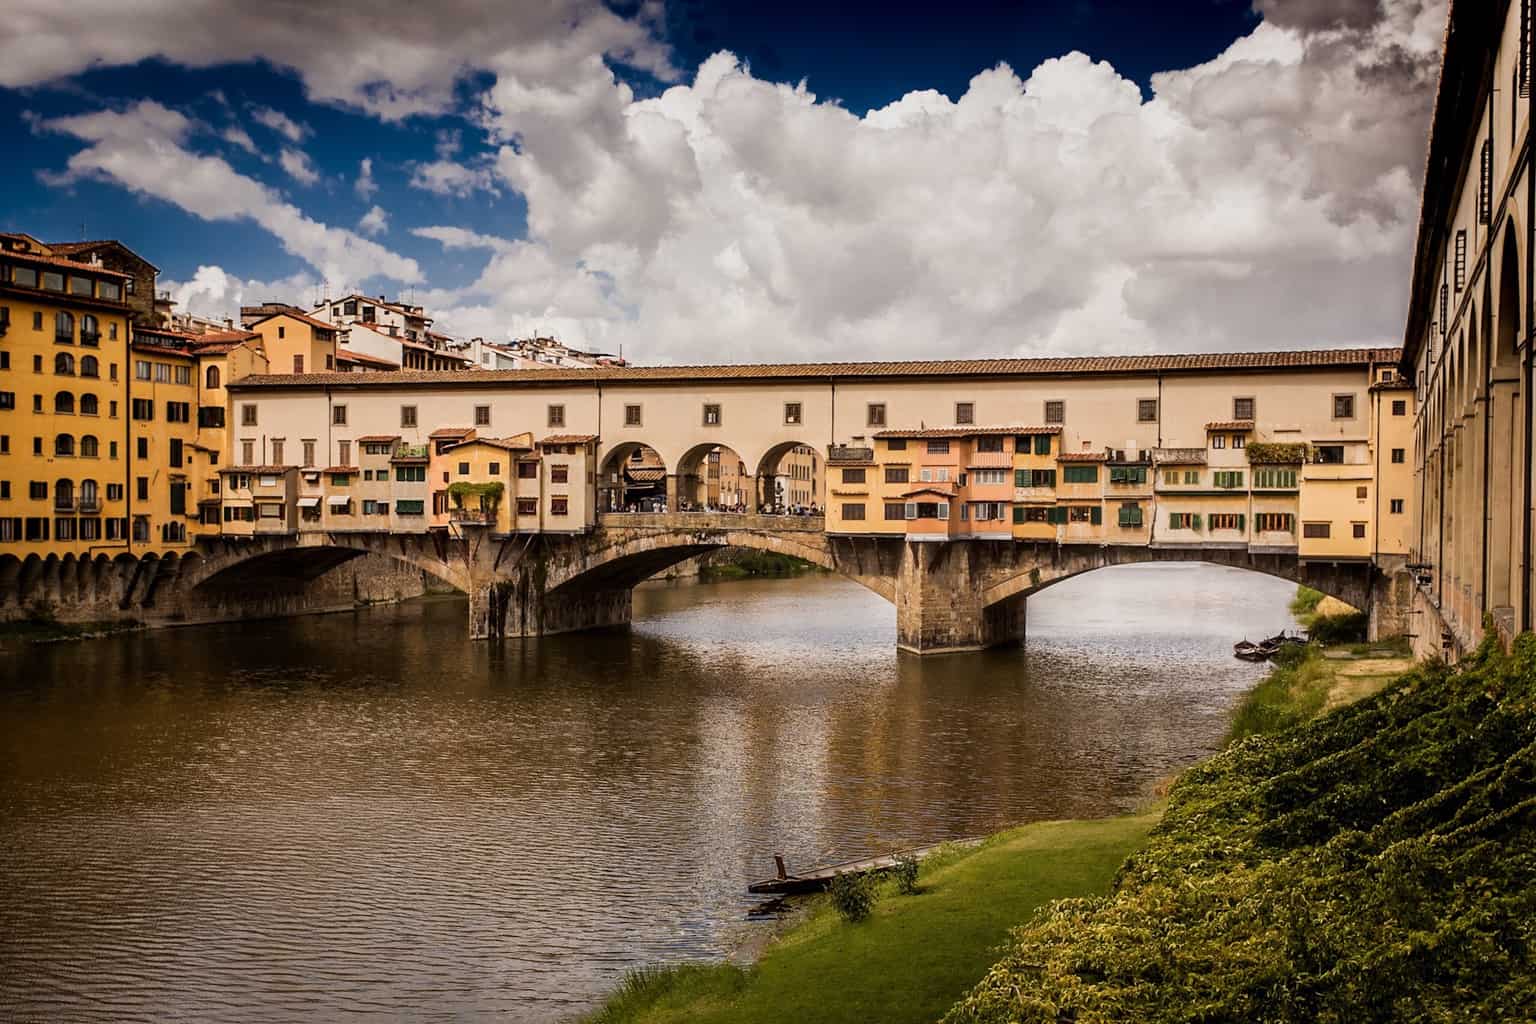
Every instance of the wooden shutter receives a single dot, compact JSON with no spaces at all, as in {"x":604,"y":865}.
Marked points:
{"x":1194,"y":521}
{"x":1096,"y":516}
{"x":1242,"y":521}
{"x":1445,"y":304}
{"x":1042,"y":444}
{"x":1461,"y":259}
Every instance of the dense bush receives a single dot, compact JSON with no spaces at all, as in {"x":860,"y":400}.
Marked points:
{"x":1377,"y":864}
{"x":1306,"y":601}
{"x":853,"y":895}
{"x":905,"y":874}
{"x":1339,"y":629}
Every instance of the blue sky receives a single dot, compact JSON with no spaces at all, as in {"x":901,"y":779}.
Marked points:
{"x":558,"y":182}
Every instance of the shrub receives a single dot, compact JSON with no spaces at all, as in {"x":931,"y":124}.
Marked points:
{"x":853,"y":895}
{"x":905,"y":874}
{"x":1306,"y":601}
{"x":1339,"y":629}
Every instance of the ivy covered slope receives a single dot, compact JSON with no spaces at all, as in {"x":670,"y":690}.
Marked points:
{"x":1378,"y":864}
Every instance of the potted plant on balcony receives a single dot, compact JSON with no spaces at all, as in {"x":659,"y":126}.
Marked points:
{"x":488,"y":497}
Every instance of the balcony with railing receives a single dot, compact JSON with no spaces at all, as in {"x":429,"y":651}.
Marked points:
{"x":406,"y":452}
{"x":90,"y":505}
{"x":90,"y":339}
{"x":849,"y":453}
{"x":479,"y":516}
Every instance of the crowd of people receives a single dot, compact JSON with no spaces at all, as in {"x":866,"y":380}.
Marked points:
{"x":658,"y":506}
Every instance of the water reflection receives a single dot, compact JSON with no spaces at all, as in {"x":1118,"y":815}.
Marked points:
{"x":367,"y":814}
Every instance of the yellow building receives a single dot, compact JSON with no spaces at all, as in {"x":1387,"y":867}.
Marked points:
{"x":162,"y":430}
{"x":64,"y":330}
{"x":568,"y":476}
{"x":295,"y":342}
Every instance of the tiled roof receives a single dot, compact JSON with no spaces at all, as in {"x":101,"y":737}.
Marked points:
{"x":256,"y":469}
{"x":504,"y":443}
{"x":373,"y":300}
{"x":1097,"y":365}
{"x":965,"y":432}
{"x":376,"y":438}
{"x":339,"y":469}
{"x":1081,"y":457}
{"x":449,"y":431}
{"x":946,"y":490}
{"x":1230,"y":425}
{"x":70,"y":248}
{"x":569,"y":439}
{"x":645,"y":474}
{"x":1179,"y":456}
{"x":302,"y":318}
{"x":346,"y":355}
{"x":161,"y":350}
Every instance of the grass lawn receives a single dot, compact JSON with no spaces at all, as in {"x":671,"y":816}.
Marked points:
{"x":915,"y":955}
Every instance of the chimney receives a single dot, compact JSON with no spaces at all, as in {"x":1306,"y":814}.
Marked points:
{"x":229,"y":323}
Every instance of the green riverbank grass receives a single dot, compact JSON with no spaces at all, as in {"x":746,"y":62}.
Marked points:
{"x":914,"y":956}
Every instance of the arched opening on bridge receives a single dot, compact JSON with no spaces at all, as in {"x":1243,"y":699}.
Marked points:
{"x":633,"y":479}
{"x":713,"y":478}
{"x":1507,"y":461}
{"x":789,"y":479}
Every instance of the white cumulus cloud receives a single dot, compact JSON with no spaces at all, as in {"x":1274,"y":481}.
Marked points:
{"x":374,"y":222}
{"x":280,"y":123}
{"x":298,"y":167}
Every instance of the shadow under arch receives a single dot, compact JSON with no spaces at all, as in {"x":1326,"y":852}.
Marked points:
{"x":789,"y":475}
{"x":713,"y":475}
{"x":633,"y":475}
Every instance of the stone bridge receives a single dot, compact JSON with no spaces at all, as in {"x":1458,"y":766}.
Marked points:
{"x":953,"y":596}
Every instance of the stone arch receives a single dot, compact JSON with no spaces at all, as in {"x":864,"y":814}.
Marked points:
{"x":285,"y":565}
{"x":1350,"y":585}
{"x":10,"y":580}
{"x":789,"y":474}
{"x":713,"y":474}
{"x":637,"y":557}
{"x":1507,"y":409}
{"x":632,"y":474}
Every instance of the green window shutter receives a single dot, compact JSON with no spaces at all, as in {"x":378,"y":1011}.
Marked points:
{"x":1042,"y":444}
{"x":1018,"y":515}
{"x":1021,"y":478}
{"x":1194,"y":521}
{"x":1050,"y":477}
{"x":1096,"y":516}
{"x":1241,"y":520}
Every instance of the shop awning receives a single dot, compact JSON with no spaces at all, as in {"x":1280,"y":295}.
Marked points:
{"x":308,"y":502}
{"x":338,"y":500}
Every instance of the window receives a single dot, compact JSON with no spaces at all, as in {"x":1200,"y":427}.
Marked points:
{"x":1274,"y":479}
{"x":89,"y":367}
{"x":1130,"y":515}
{"x":414,"y":507}
{"x":632,"y":416}
{"x":7,"y":399}
{"x":711,"y":415}
{"x":1399,"y":407}
{"x":1182,"y":520}
{"x":1146,"y":410}
{"x":1343,"y":407}
{"x":560,"y":505}
{"x":965,"y":412}
{"x":282,"y":331}
{"x":1399,"y":455}
{"x":309,"y":453}
{"x":1461,"y":259}
{"x":1227,"y":479}
{"x":989,"y":443}
{"x":1239,"y":441}
{"x":64,"y":402}
{"x":897,"y":474}
{"x":247,"y":452}
{"x":1274,"y":522}
{"x":1357,"y":530}
{"x":895,"y":510}
{"x":493,"y":469}
{"x":37,"y":490}
{"x":211,"y":377}
{"x":1226,"y":521}
{"x":183,"y":374}
{"x":527,"y":506}
{"x":1218,"y":440}
{"x":1361,"y":492}
{"x":853,"y":476}
{"x":1328,"y":454}
{"x":792,"y":413}
{"x":411,"y":474}
{"x":1242,"y":408}
{"x":557,"y":415}
{"x":64,"y":364}
{"x":1317,"y":531}
{"x":80,"y":286}
{"x":939,"y":475}
{"x":162,"y":373}
{"x":141,"y":488}
{"x":938,"y":447}
{"x":528,"y":470}
{"x":339,"y":415}
{"x":53,"y":281}
{"x":277,"y":452}
{"x":178,"y":412}
{"x":1127,"y":474}
{"x":407,"y":415}
{"x":1396,"y":506}
{"x":142,"y":409}
{"x":141,"y":448}
{"x":1485,"y":184}
{"x":64,"y":329}
{"x":1034,"y":478}
{"x":1055,"y":411}
{"x":559,"y":474}
{"x":1080,"y":474}
{"x":874,"y":414}
{"x":248,"y":415}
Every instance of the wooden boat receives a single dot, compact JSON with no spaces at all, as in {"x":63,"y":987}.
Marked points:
{"x":1254,"y":652}
{"x":819,"y":877}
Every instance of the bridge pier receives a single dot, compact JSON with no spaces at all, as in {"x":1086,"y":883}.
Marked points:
{"x":939,"y":602}
{"x":507,"y":608}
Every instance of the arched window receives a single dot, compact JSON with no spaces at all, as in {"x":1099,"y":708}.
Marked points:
{"x":89,"y":367}
{"x":64,"y":494}
{"x":64,"y":363}
{"x":89,"y":447}
{"x":90,"y":330}
{"x":89,"y":406}
{"x":64,"y":402}
{"x":64,"y":444}
{"x":213,"y":377}
{"x":89,"y":498}
{"x":64,"y":328}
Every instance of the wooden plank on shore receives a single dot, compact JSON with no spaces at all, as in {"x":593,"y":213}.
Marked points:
{"x":818,"y":878}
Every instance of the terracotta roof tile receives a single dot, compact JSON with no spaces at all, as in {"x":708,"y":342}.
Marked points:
{"x":346,"y":355}
{"x":61,"y":261}
{"x":256,"y":469}
{"x":339,"y":469}
{"x":645,"y":474}
{"x":946,"y":490}
{"x":302,"y":318}
{"x":161,"y":350}
{"x":1081,"y":457}
{"x":1230,"y":425}
{"x":965,"y":432}
{"x":448,"y":431}
{"x":376,"y":438}
{"x":505,"y":443}
{"x":1055,"y":366}
{"x":569,"y":439}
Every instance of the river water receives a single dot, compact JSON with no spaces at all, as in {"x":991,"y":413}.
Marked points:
{"x":365,"y":814}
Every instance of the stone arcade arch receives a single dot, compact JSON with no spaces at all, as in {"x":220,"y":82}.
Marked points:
{"x":1506,"y":413}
